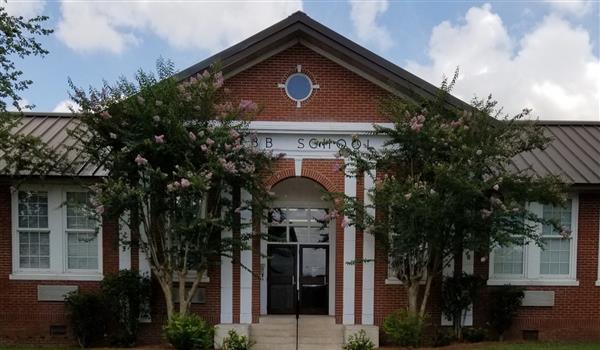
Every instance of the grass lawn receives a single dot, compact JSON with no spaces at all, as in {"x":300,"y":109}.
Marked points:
{"x":513,"y":346}
{"x":545,"y":346}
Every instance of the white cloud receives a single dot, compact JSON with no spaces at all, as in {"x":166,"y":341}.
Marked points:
{"x":573,"y":7}
{"x":25,"y":8}
{"x":113,"y":26}
{"x":551,"y":69}
{"x":364,"y":18}
{"x":65,"y":106}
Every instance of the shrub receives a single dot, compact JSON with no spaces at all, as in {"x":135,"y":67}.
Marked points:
{"x":505,"y":301}
{"x":475,"y":335}
{"x":126,"y":295}
{"x":404,"y":327}
{"x":359,"y":341}
{"x":189,"y":332}
{"x":458,"y":294}
{"x":235,"y":341}
{"x":443,"y":337}
{"x":86,"y":315}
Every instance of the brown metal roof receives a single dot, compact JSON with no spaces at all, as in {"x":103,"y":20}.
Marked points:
{"x":53,"y":129}
{"x":574,"y":152}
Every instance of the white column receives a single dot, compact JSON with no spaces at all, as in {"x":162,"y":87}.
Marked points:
{"x":124,"y":246}
{"x":349,"y":256}
{"x":226,"y":284}
{"x":246,"y":262}
{"x":368,"y":275}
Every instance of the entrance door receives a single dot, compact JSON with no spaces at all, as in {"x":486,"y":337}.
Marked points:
{"x":314,"y":287}
{"x":282,"y":279}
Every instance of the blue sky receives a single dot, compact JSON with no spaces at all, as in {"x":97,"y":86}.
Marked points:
{"x":542,"y":54}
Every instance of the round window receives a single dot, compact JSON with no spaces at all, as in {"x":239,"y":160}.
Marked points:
{"x":298,"y":87}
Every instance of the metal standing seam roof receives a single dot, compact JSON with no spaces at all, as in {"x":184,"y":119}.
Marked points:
{"x":53,"y":129}
{"x":574,"y":152}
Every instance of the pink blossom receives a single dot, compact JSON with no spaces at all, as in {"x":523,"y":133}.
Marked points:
{"x":234,"y":134}
{"x":456,"y":123}
{"x":210,"y":142}
{"x":204,"y":148}
{"x":407,"y":196}
{"x":485,"y":213}
{"x":100,"y":209}
{"x":105,"y":115}
{"x":112,"y":135}
{"x":248,"y":106}
{"x":185,"y":183}
{"x":218,"y":80}
{"x":208,"y":176}
{"x":345,"y":222}
{"x":192,"y":136}
{"x":483,"y":259}
{"x":230,"y":167}
{"x":13,"y":189}
{"x":496,"y":187}
{"x":170,"y":188}
{"x":156,"y":118}
{"x":478,"y":152}
{"x":141,"y":161}
{"x":158,"y":103}
{"x":205,"y":74}
{"x":159,"y":139}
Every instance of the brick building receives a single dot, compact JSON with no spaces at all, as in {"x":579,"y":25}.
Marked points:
{"x":312,"y":84}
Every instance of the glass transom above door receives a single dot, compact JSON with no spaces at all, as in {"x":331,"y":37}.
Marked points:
{"x":301,"y":225}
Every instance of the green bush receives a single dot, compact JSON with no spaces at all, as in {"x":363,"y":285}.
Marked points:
{"x":235,"y":341}
{"x":359,"y":341}
{"x":404,"y":328}
{"x":443,"y":337}
{"x":126,"y":295}
{"x":458,"y":294}
{"x":86,"y":314}
{"x":475,"y":335}
{"x":189,"y":332}
{"x":505,"y":302}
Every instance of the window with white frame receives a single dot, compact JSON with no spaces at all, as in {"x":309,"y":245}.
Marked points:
{"x":55,"y":234}
{"x":552,"y":263}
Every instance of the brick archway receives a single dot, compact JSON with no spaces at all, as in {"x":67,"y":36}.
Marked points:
{"x":310,"y":174}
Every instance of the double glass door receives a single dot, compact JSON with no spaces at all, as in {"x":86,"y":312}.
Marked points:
{"x":298,"y":278}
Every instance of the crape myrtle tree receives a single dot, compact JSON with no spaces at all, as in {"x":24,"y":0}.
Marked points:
{"x":176,"y":156}
{"x":444,"y":184}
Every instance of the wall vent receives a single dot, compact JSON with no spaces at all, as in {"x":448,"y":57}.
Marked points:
{"x":58,"y":329}
{"x":530,"y":334}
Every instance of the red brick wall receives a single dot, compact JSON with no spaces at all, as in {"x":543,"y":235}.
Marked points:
{"x":342,"y":97}
{"x":576,"y":311}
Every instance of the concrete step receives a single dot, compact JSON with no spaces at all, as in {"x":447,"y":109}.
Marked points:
{"x":275,"y":347}
{"x":319,"y":347}
{"x":276,"y":319}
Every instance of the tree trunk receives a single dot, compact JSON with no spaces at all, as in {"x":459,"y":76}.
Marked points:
{"x":168,"y":293}
{"x":426,"y":294}
{"x":413,"y":297}
{"x":183,"y":300}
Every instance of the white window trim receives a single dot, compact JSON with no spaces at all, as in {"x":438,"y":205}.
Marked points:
{"x":58,"y":239}
{"x":531,"y":258}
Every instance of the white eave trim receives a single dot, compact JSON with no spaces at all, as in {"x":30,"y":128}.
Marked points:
{"x":314,"y":127}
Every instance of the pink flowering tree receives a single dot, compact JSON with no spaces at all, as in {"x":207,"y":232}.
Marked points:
{"x":177,"y":155}
{"x":445,"y":184}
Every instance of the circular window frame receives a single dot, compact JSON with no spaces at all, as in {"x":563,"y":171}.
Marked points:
{"x":310,"y":92}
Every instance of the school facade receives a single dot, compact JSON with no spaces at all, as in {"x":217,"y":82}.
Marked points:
{"x":313,"y":84}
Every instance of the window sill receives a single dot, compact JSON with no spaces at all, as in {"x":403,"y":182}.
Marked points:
{"x":522,"y":282}
{"x":393,"y":281}
{"x":597,"y":283}
{"x":20,"y":276}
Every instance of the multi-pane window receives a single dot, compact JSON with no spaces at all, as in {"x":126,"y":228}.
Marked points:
{"x":508,"y":260}
{"x":298,"y":225}
{"x":55,"y":233}
{"x":33,"y":231}
{"x":553,"y":260}
{"x":556,"y":255}
{"x":82,"y":240}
